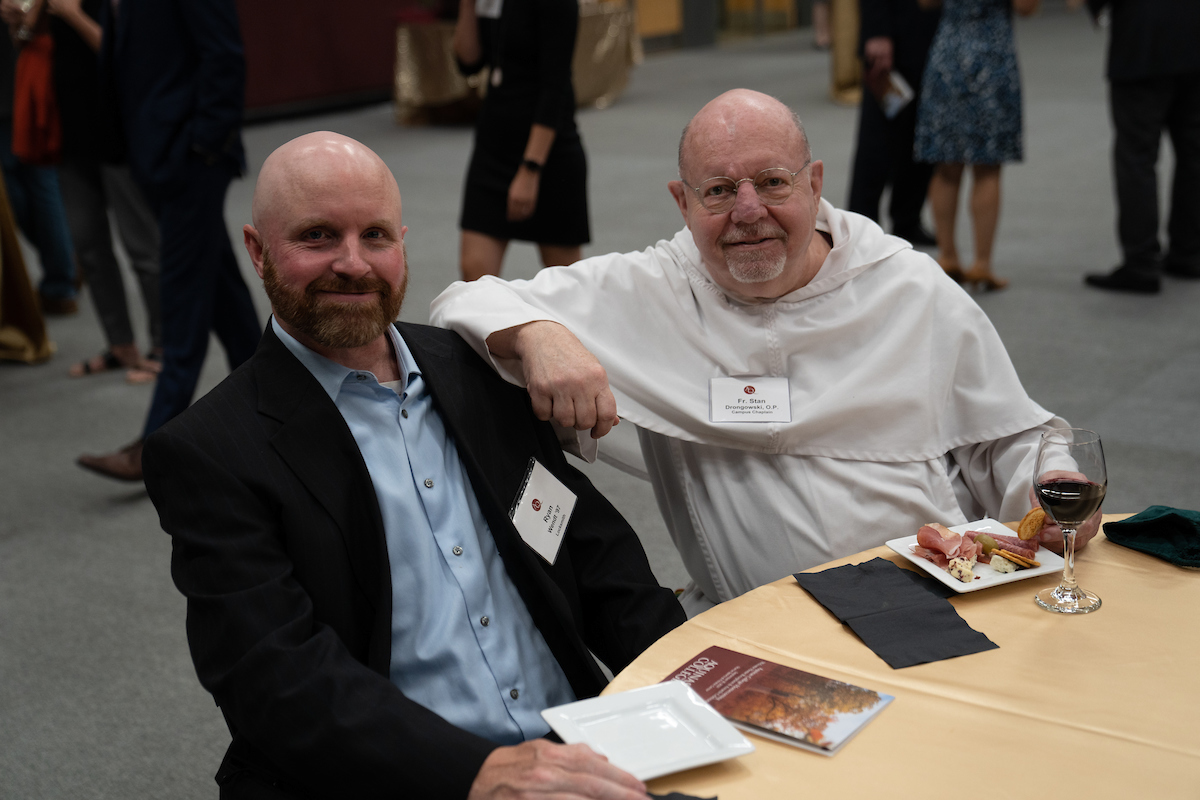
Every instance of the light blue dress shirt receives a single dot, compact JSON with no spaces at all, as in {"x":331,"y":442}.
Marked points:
{"x":463,"y":643}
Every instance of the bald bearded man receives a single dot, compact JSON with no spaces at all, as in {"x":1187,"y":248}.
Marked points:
{"x":804,"y":386}
{"x":364,"y":612}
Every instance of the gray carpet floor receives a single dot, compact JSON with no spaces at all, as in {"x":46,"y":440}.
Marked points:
{"x":97,"y":694}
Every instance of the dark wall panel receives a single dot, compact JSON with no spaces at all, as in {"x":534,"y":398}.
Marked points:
{"x":313,"y":52}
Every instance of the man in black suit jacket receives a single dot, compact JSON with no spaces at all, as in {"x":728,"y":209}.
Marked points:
{"x":175,"y":74}
{"x":273,"y":496}
{"x":895,"y":34}
{"x":1154,"y":85}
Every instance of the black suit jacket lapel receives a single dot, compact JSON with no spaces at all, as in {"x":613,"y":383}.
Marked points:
{"x":450,"y":385}
{"x":316,"y":444}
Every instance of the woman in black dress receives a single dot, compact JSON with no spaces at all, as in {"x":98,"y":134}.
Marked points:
{"x":528,"y":174}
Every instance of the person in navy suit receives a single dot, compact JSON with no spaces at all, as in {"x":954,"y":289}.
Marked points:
{"x":175,"y":75}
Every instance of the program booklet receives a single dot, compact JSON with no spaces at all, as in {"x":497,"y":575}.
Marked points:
{"x":781,"y":703}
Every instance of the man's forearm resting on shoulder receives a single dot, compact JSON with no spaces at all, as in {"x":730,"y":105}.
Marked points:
{"x":566,"y":382}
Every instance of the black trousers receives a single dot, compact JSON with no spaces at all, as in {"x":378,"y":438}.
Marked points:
{"x":1141,"y":111}
{"x":883,"y":156}
{"x":201,"y":288}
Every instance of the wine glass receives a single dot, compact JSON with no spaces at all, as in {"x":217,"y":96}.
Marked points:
{"x":1070,"y":482}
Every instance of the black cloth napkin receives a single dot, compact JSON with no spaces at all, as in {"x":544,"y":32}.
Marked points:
{"x":904,"y":617}
{"x":1172,"y":534}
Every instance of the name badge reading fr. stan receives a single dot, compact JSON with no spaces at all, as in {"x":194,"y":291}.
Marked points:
{"x":749,"y":400}
{"x":542,"y":510}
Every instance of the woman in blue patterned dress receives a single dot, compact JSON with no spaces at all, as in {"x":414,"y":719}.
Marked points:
{"x":970,"y":113}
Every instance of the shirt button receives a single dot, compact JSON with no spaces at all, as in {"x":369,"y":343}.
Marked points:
{"x":514,"y":694}
{"x":404,"y":413}
{"x":362,"y":377}
{"x":457,"y":550}
{"x":429,"y":483}
{"x":484,"y":621}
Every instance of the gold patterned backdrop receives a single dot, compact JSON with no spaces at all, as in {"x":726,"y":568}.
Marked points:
{"x":429,"y":87}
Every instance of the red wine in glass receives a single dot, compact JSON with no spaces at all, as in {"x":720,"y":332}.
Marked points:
{"x":1070,"y":480}
{"x":1070,"y":501}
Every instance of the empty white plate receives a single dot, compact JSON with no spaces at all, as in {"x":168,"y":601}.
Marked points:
{"x":651,"y":731}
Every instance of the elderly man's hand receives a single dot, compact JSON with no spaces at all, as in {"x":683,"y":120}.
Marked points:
{"x":1050,"y":536}
{"x":540,"y":769}
{"x":565,"y":381}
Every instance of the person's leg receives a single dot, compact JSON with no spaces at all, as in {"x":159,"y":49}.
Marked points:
{"x":822,"y":37}
{"x":1139,"y":113}
{"x":195,"y":243}
{"x":872,"y":164}
{"x":943,"y":198}
{"x":49,"y":234}
{"x":87,"y":217}
{"x":910,"y":179}
{"x":138,"y":228}
{"x":985,"y":216}
{"x":1183,"y":228}
{"x":234,"y":320}
{"x":559,"y":255}
{"x":36,"y":202}
{"x":480,"y":255}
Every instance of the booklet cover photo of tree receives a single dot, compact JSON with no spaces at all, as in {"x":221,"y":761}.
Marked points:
{"x":781,"y":703}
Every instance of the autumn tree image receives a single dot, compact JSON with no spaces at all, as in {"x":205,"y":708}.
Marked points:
{"x":794,"y":703}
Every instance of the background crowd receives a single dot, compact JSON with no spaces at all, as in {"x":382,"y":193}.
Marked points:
{"x":89,"y":555}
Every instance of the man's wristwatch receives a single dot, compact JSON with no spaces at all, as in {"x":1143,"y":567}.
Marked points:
{"x":531,"y":165}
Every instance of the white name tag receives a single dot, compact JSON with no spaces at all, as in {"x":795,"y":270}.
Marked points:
{"x":489,"y":8}
{"x":749,"y":400}
{"x":541,"y":511}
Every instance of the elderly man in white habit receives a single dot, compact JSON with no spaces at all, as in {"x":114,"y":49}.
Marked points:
{"x":803,"y":385}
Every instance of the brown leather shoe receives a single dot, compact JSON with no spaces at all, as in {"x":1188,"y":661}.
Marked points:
{"x":124,"y":465}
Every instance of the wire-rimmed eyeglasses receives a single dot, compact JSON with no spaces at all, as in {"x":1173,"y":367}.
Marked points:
{"x":773,"y":185}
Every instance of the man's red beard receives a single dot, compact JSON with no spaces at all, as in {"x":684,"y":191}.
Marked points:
{"x":325,"y":320}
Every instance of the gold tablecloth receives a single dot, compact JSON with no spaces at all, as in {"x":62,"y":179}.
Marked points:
{"x":428,"y":80}
{"x":1104,"y":705}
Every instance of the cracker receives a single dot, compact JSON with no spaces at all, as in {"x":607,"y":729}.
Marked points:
{"x":1031,"y":523}
{"x":1020,"y":561}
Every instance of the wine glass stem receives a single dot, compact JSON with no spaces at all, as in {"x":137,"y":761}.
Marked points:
{"x":1068,"y":575}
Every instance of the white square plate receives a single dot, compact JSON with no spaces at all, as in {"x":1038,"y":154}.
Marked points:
{"x":651,"y":731}
{"x":985,"y":576}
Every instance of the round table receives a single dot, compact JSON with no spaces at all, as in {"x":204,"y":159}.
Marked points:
{"x":1103,"y":705}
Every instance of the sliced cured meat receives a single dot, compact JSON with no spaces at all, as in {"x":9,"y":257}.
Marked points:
{"x":936,"y":556}
{"x":1010,"y":543}
{"x":939,"y":544}
{"x":940,"y":538}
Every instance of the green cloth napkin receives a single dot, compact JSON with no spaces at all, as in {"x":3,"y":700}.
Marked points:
{"x":1172,"y":534}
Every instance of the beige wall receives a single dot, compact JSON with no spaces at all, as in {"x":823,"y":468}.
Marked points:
{"x":659,"y":17}
{"x":777,"y":14}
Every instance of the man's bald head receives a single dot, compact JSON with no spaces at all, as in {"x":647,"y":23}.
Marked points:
{"x":309,"y":164}
{"x":725,"y":115}
{"x":328,"y":242}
